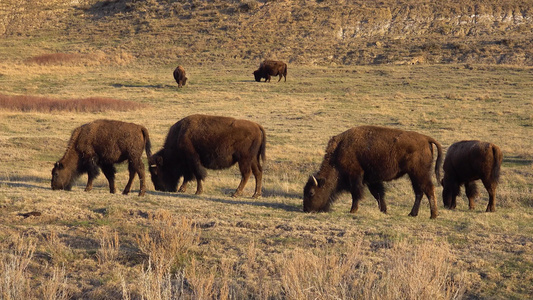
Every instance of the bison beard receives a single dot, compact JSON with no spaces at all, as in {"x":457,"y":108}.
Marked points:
{"x":370,"y":155}
{"x":270,"y":68}
{"x":101,"y":144}
{"x":466,"y":162}
{"x":201,"y":142}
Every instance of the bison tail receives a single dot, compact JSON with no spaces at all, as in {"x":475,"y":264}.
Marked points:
{"x":147,"y":143}
{"x":438,"y":163}
{"x":261,"y":156}
{"x":497,"y":158}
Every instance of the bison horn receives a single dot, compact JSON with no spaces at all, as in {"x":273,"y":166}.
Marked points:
{"x":314,"y":180}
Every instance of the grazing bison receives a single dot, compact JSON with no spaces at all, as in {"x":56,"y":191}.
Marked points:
{"x":101,"y":144}
{"x":465,"y":162}
{"x":179,"y":76}
{"x":370,"y":155}
{"x":200,"y":142}
{"x":271,"y":68}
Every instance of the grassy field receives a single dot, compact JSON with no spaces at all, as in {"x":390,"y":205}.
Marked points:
{"x":97,"y":245}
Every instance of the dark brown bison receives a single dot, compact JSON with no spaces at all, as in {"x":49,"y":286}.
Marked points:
{"x":466,"y":162}
{"x":179,"y":76}
{"x":271,"y":68}
{"x":200,"y":142}
{"x":101,"y":144}
{"x":370,"y":155}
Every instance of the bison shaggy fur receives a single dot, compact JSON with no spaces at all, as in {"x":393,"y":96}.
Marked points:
{"x":99,"y":145}
{"x":466,"y":162}
{"x":200,"y":142}
{"x":270,"y":68}
{"x":370,"y":155}
{"x":179,"y":76}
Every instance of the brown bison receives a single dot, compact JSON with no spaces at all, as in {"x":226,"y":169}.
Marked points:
{"x":200,"y":142}
{"x":370,"y":155}
{"x":101,"y":144}
{"x":271,"y":68}
{"x":466,"y":162}
{"x":179,"y":76}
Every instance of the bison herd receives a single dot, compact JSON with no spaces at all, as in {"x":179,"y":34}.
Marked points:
{"x":361,"y":156}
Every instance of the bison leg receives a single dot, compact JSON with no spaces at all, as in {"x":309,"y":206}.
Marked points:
{"x":246,"y":170}
{"x":92,"y":172}
{"x":450,"y":191}
{"x":199,"y":186}
{"x":258,"y":174}
{"x":89,"y":183}
{"x":267,"y":78}
{"x":135,"y":167}
{"x":183,"y":186}
{"x":378,"y":191}
{"x":421,"y":187}
{"x":471,"y":193}
{"x":356,"y":190}
{"x":491,"y":189}
{"x":142,"y":178}
{"x":109,"y":172}
{"x":281,"y":75}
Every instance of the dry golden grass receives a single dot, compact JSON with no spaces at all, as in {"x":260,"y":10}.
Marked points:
{"x":100,"y":246}
{"x":45,"y":104}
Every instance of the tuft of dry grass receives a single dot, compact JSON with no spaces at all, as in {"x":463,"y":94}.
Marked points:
{"x":45,"y":104}
{"x":408,"y":272}
{"x":14,"y":262}
{"x":109,"y":246}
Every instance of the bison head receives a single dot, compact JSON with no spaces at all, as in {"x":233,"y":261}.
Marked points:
{"x":162,"y":181}
{"x":258,"y":75}
{"x":62,"y":178}
{"x":316,"y":195}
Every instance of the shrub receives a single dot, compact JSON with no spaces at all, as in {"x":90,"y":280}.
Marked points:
{"x":44,"y":104}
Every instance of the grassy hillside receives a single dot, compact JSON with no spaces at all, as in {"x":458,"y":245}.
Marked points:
{"x":304,"y":32}
{"x":95,"y":245}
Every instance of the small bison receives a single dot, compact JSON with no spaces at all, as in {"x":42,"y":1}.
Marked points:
{"x":370,"y":155}
{"x":101,"y":144}
{"x":200,"y":142}
{"x":271,"y":68}
{"x":179,"y":76}
{"x":465,"y":162}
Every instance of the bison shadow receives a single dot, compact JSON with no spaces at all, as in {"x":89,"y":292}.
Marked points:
{"x":517,"y":160}
{"x":25,"y":182}
{"x":150,"y":86}
{"x":240,"y":200}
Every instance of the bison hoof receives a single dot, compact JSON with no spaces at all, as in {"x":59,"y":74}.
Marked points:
{"x":256,"y":196}
{"x":411,"y":214}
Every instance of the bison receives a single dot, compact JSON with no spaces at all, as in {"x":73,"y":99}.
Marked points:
{"x":179,"y":76}
{"x":271,"y":68}
{"x":101,"y":144}
{"x":200,"y":142}
{"x":370,"y":155}
{"x":466,"y":162}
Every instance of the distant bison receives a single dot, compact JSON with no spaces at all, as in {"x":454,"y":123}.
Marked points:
{"x":271,"y":68}
{"x":101,"y":144}
{"x":179,"y":76}
{"x":198,"y":142}
{"x":370,"y":155}
{"x":465,"y":162}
